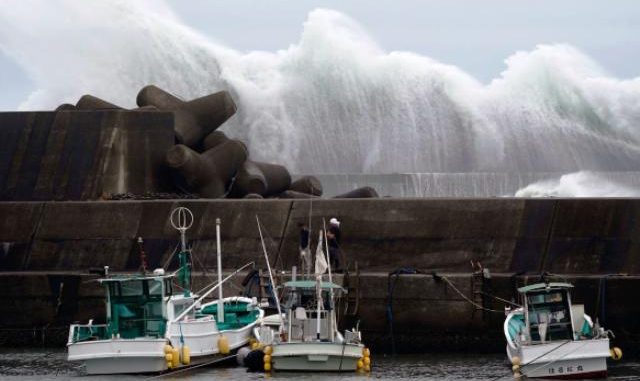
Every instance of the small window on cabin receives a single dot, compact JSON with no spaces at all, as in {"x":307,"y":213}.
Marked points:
{"x":155,"y":288}
{"x":131,"y":288}
{"x":168,"y":286}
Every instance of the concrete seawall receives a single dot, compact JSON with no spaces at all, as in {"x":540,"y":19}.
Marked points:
{"x":82,"y":155}
{"x":571,"y":236}
{"x":45,"y":244}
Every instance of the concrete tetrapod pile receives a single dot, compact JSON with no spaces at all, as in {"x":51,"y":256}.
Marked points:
{"x":205,"y":162}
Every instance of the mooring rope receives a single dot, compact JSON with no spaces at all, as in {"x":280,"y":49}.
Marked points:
{"x":465,"y":297}
{"x":547,"y":363}
{"x":171,"y":373}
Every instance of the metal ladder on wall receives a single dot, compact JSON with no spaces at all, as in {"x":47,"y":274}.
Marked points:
{"x":264,"y":286}
{"x":352,"y":284}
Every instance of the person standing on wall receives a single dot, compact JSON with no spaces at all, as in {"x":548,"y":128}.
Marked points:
{"x":333,"y":239}
{"x":305,"y":252}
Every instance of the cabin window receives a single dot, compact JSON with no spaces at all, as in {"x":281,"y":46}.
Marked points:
{"x":549,"y":316}
{"x":155,"y":288}
{"x":132,"y":288}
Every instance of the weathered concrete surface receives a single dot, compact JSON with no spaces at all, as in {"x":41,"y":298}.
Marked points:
{"x":48,"y":243}
{"x":194,"y":119}
{"x":82,"y":155}
{"x":569,"y":236}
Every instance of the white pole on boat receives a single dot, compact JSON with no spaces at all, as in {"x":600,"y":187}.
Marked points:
{"x":319,"y":298}
{"x":220,"y":300}
{"x":331,"y":303}
{"x":273,"y":286}
{"x":319,"y":251}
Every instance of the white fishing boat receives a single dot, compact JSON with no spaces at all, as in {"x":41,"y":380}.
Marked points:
{"x":549,"y":337}
{"x":304,"y":335}
{"x":155,"y":323}
{"x":310,"y":340}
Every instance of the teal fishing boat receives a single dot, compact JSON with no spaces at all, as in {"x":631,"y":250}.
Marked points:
{"x":155,"y":323}
{"x":550,"y":337}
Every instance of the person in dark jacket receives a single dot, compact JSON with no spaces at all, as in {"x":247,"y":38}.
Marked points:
{"x":305,"y":251}
{"x":333,"y":241}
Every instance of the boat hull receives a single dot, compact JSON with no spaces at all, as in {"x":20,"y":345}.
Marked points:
{"x":563,"y":360}
{"x":119,"y":356}
{"x":317,"y":357}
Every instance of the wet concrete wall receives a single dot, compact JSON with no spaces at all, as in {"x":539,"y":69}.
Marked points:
{"x":82,"y":155}
{"x":592,"y":242}
{"x":594,"y":236}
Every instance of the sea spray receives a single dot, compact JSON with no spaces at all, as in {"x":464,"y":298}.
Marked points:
{"x":578,"y":184}
{"x":335,"y":102}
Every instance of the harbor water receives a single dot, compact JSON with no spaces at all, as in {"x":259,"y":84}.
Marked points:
{"x":43,"y":365}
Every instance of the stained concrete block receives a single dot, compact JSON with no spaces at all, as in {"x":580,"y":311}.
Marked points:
{"x":443,"y":234}
{"x":208,"y":174}
{"x":82,"y":155}
{"x":95,"y":220}
{"x":594,"y":235}
{"x":18,"y":224}
{"x":307,"y":184}
{"x":194,"y":119}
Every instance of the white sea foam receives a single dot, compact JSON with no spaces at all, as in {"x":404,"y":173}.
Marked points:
{"x":578,"y":184}
{"x":334,"y":101}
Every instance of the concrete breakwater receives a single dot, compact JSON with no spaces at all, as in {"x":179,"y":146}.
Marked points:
{"x":48,"y":248}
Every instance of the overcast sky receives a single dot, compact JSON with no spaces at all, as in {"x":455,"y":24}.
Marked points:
{"x":475,"y":35}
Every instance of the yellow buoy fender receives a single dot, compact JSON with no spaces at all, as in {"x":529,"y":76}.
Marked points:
{"x":175,"y":358}
{"x":366,"y":352}
{"x":186,"y":355}
{"x":267,"y":359}
{"x":267,"y":367}
{"x":268,"y":350}
{"x":616,"y":353}
{"x":360,"y":364}
{"x":223,"y":345}
{"x":515,"y":360}
{"x":367,"y":361}
{"x":168,"y":349}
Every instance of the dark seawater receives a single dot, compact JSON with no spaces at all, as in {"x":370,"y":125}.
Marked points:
{"x":45,"y":365}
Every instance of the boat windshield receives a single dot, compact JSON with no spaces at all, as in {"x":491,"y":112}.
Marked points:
{"x":549,"y":316}
{"x":306,"y":298}
{"x":136,"y":308}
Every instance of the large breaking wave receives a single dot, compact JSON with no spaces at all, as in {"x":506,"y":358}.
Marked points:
{"x":334,"y":101}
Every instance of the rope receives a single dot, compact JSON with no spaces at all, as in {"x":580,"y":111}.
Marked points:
{"x":500,"y":299}
{"x":547,"y":363}
{"x":557,"y":359}
{"x":171,"y":373}
{"x":465,"y":297}
{"x":390,"y":289}
{"x":168,"y":261}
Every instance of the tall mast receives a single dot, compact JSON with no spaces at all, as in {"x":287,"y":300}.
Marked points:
{"x":181,"y":220}
{"x":220,"y":300}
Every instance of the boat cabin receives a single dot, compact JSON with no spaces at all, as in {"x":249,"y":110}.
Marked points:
{"x":136,"y":306}
{"x":305,"y":315}
{"x":548,"y":311}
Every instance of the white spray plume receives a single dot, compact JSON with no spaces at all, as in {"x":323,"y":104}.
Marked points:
{"x":335,"y":102}
{"x":578,"y":184}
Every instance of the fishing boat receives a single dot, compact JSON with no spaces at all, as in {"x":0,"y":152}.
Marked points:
{"x":549,"y":337}
{"x":304,"y":335}
{"x":155,"y":323}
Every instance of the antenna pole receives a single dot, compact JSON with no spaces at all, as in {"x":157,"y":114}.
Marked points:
{"x":220,"y":300}
{"x":273,"y":286}
{"x":331,"y":297}
{"x":181,"y":220}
